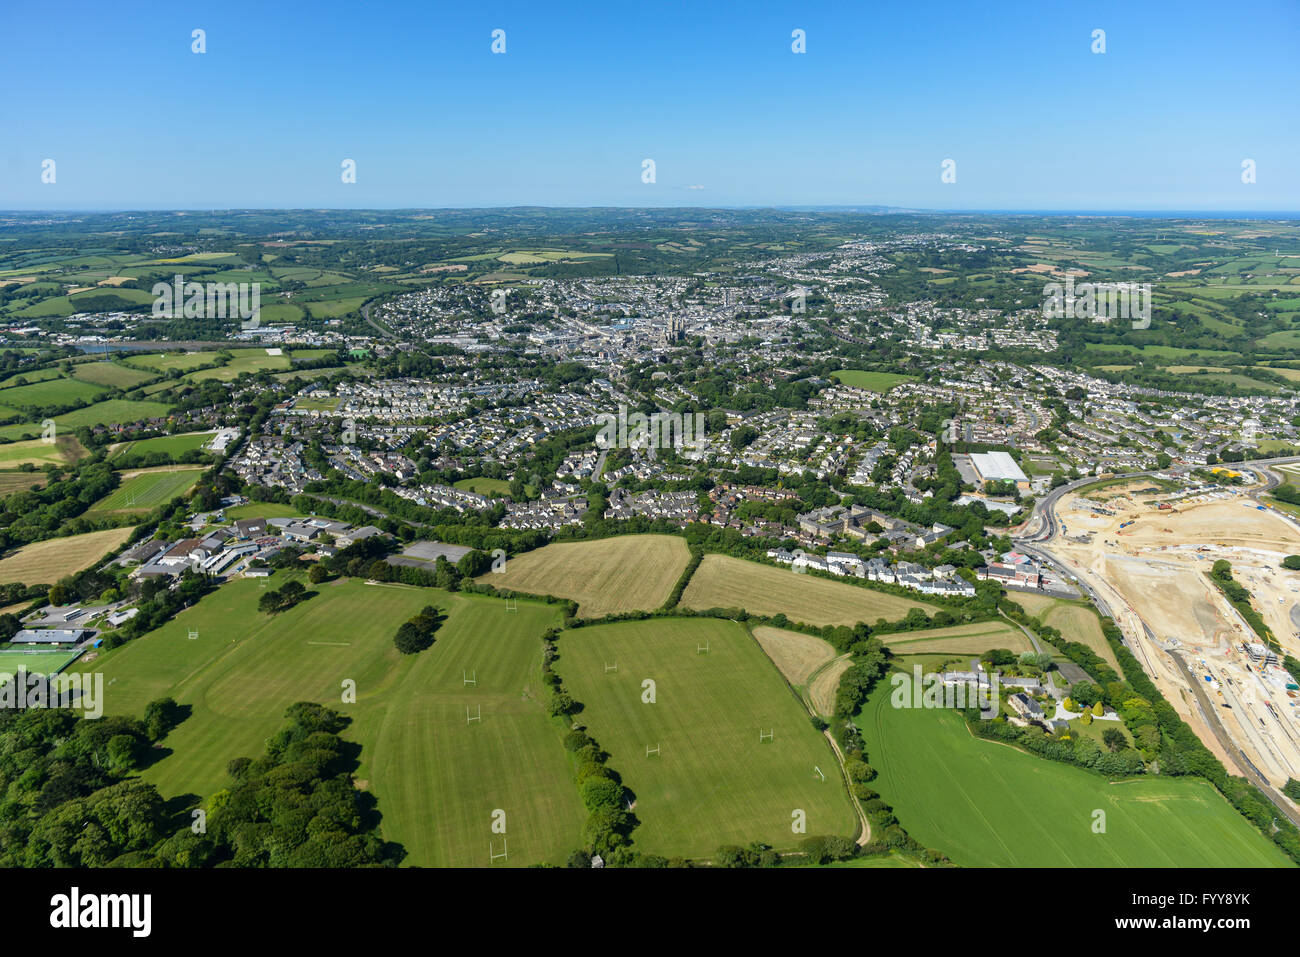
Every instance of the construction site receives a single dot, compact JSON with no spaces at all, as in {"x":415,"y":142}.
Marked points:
{"x":1147,"y":555}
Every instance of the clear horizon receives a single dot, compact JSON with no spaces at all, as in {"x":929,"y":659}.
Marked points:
{"x":1032,"y":118}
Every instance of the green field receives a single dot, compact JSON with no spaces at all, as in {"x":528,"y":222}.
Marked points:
{"x":51,"y":392}
{"x":172,"y":445}
{"x":261,"y":510}
{"x":147,"y":490}
{"x":725,"y":582}
{"x":436,"y":778}
{"x":242,"y":361}
{"x":33,"y":662}
{"x":713,"y":782}
{"x":114,"y":375}
{"x":109,"y":412}
{"x":986,"y":803}
{"x":485,"y":486}
{"x":184,"y":361}
{"x":874,"y":381}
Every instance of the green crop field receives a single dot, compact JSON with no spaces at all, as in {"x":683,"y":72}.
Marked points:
{"x":725,"y":582}
{"x":874,"y":381}
{"x":986,"y":803}
{"x":713,"y":782}
{"x":145,"y":490}
{"x":436,"y":778}
{"x":605,"y":576}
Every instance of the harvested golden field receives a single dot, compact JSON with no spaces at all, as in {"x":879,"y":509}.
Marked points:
{"x":44,"y":563}
{"x":607,"y":576}
{"x":725,"y":582}
{"x":795,"y":654}
{"x":972,"y":639}
{"x":825,"y":684}
{"x":1075,"y":621}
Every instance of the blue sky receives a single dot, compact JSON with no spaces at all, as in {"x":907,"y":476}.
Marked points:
{"x":709,"y":90}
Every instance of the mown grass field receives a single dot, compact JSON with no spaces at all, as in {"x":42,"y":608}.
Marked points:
{"x":713,"y":782}
{"x":44,"y":563}
{"x":988,"y":804}
{"x":873,"y":381}
{"x":971,"y":639}
{"x":146,"y":489}
{"x":725,"y":582}
{"x":437,"y":779}
{"x":168,"y":444}
{"x":606,"y":576}
{"x":50,"y":392}
{"x":108,"y":412}
{"x":484,"y":486}
{"x":114,"y":375}
{"x":242,"y":361}
{"x":1076,"y":621}
{"x":261,"y":510}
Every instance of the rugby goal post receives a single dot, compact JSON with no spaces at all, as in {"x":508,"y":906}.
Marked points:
{"x":193,"y":633}
{"x":702,"y":649}
{"x":493,"y":854}
{"x":652,"y":751}
{"x":768,"y":735}
{"x":475,"y":715}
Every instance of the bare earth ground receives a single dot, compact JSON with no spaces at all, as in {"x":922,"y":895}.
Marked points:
{"x":1156,"y":571}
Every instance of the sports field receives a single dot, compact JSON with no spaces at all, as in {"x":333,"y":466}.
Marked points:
{"x":33,"y":662}
{"x":1076,"y":621}
{"x":986,"y":803}
{"x":437,"y":778}
{"x":725,"y":582}
{"x":145,"y":489}
{"x":44,"y":563}
{"x":972,"y":639}
{"x":606,"y":576}
{"x":713,"y":782}
{"x":168,"y":444}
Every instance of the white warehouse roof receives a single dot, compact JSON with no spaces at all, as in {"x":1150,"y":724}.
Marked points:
{"x":997,"y":466}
